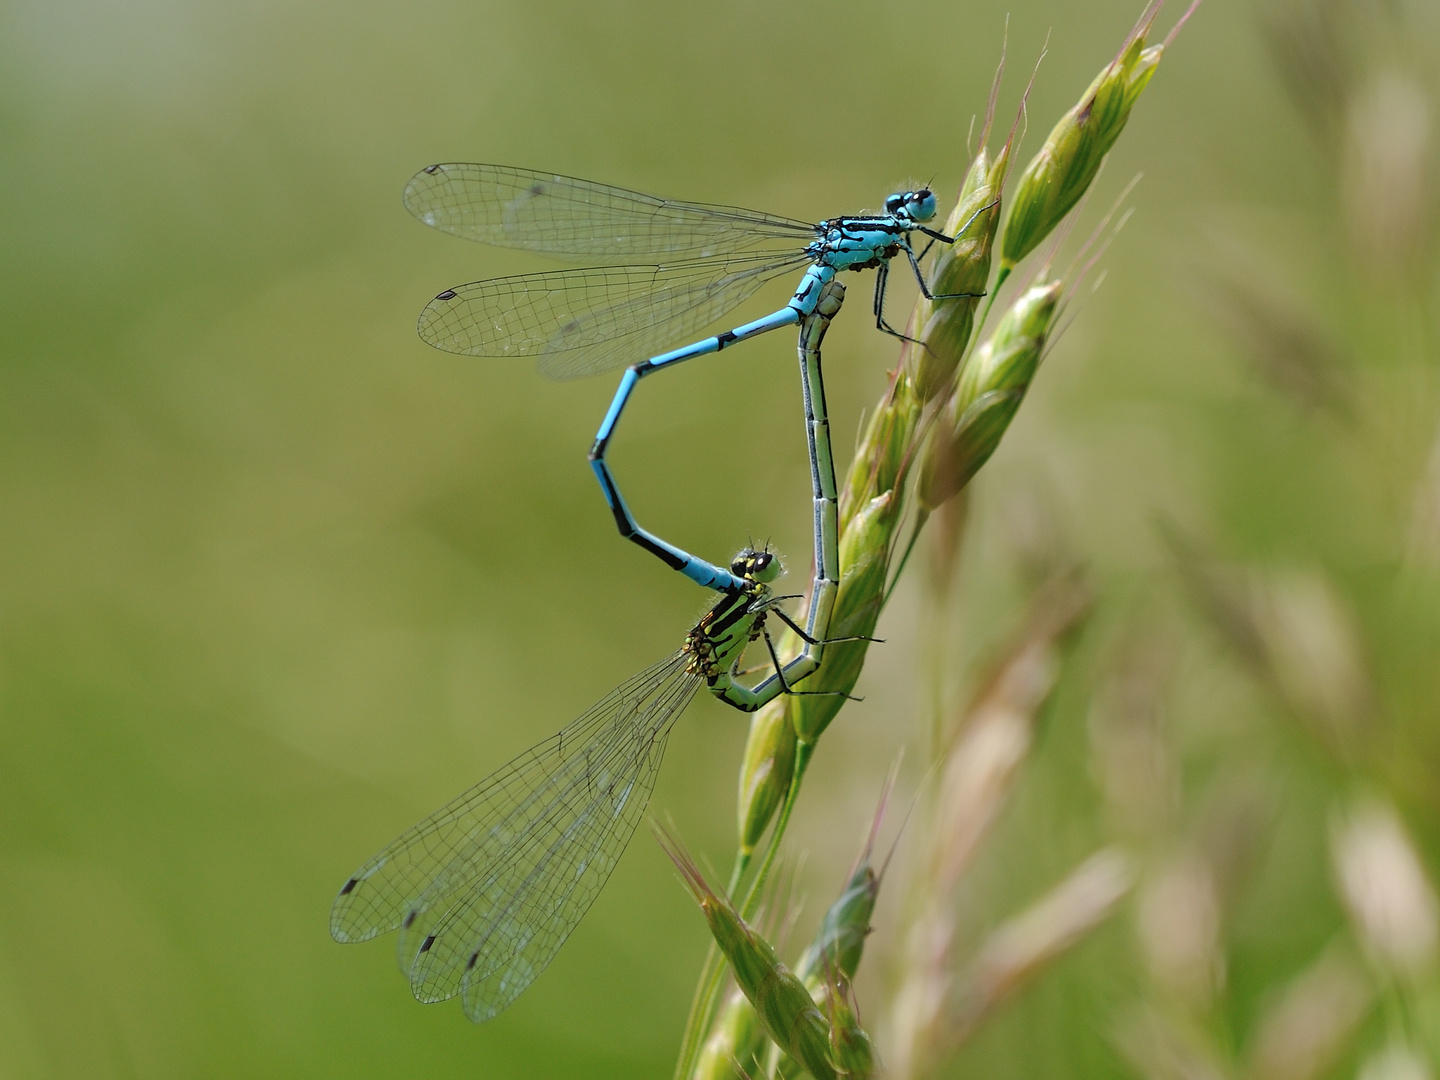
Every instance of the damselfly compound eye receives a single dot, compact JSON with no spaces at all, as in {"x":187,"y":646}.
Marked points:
{"x":756,"y":565}
{"x":921,"y":205}
{"x":765,"y":567}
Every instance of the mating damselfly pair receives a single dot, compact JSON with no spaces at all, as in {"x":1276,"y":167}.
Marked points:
{"x":486,"y":890}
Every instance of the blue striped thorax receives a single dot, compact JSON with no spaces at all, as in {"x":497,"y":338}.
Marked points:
{"x":859,"y":243}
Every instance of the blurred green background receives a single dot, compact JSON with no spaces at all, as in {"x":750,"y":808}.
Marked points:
{"x":278,"y":579}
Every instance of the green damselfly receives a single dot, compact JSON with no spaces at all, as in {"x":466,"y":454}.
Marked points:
{"x":485,"y":891}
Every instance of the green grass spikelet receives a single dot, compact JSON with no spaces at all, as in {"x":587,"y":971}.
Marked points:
{"x":1061,"y":172}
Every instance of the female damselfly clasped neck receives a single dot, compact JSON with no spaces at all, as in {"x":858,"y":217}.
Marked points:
{"x":486,"y":890}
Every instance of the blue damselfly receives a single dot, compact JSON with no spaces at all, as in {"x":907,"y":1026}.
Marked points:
{"x":585,"y":321}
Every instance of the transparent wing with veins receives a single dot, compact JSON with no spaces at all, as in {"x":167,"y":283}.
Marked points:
{"x":486,"y":890}
{"x":562,"y":215}
{"x":582,"y":322}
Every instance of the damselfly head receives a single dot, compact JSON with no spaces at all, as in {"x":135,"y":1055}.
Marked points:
{"x":763,"y":566}
{"x":916,"y":205}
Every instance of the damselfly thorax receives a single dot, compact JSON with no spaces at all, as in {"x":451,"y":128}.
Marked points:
{"x":859,"y":243}
{"x":718,"y":640}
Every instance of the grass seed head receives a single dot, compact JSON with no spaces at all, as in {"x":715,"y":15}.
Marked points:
{"x":765,"y":772}
{"x":833,"y":955}
{"x":864,"y":562}
{"x":851,"y":1047}
{"x":1061,"y":172}
{"x":735,"y":1040}
{"x":840,"y":938}
{"x":883,"y":450}
{"x":1036,"y":937}
{"x":963,"y":267}
{"x":781,"y":1001}
{"x":989,"y":394}
{"x":1382,"y":881}
{"x":983,"y":757}
{"x":852,"y":1051}
{"x":1396,"y":1061}
{"x":1305,"y":1027}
